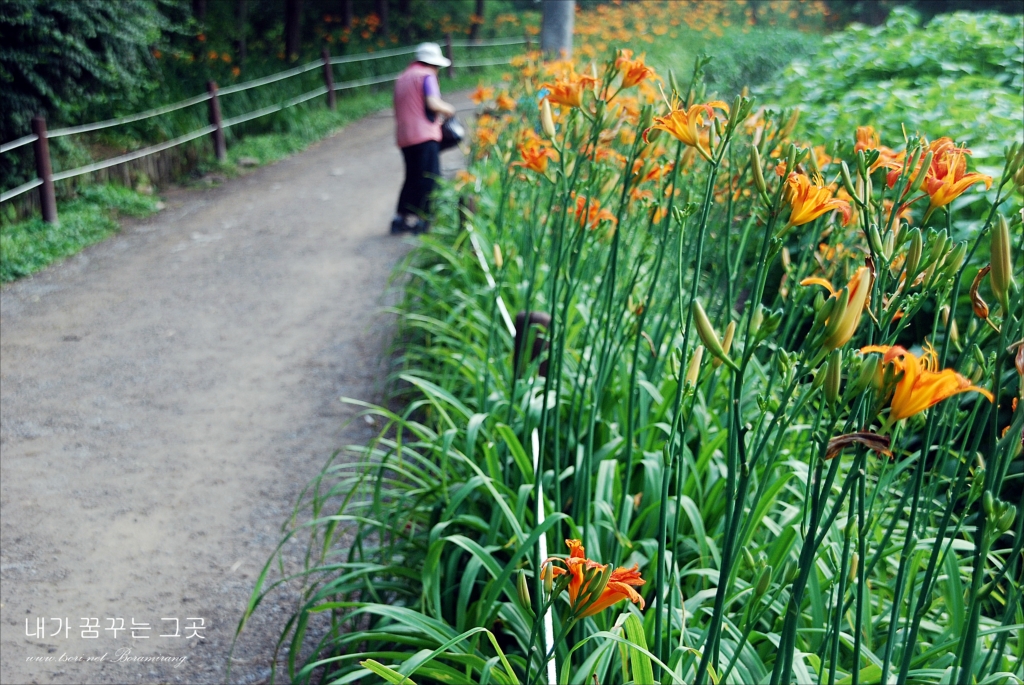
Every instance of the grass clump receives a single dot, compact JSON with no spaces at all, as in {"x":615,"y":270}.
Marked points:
{"x":30,"y":245}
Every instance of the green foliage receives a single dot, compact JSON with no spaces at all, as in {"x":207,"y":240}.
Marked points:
{"x":58,"y":57}
{"x":749,"y":59}
{"x":27,"y":246}
{"x":789,"y":525}
{"x":961,"y":75}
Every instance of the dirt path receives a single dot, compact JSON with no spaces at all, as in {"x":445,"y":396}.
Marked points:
{"x":166,"y":395}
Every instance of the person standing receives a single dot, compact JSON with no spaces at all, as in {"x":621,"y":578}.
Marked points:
{"x":419,"y":112}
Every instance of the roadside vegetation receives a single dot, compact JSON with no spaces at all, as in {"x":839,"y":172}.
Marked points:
{"x":766,"y":428}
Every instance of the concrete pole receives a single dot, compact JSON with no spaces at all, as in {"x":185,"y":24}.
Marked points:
{"x":556,"y":28}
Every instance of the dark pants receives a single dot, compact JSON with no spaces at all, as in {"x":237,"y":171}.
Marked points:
{"x":422,"y":167}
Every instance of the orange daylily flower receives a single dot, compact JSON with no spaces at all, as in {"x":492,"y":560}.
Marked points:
{"x":619,"y":586}
{"x":569,"y":90}
{"x":859,"y":289}
{"x":633,"y":70}
{"x":686,"y":124}
{"x":481,"y":94}
{"x":505,"y":102}
{"x":921,"y":385}
{"x":590,"y":213}
{"x":947,"y":179}
{"x":535,"y":156}
{"x":810,"y":200}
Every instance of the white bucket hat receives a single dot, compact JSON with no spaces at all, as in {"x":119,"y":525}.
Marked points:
{"x":430,"y":53}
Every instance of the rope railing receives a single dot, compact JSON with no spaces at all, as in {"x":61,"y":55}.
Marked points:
{"x":273,"y":78}
{"x":217,"y":125}
{"x":157,"y":111}
{"x":18,"y":142}
{"x":488,"y":43}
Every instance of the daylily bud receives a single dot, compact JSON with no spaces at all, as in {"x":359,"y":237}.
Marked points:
{"x":762,"y":582}
{"x":977,"y":303}
{"x":693,"y":370}
{"x":979,"y":356}
{"x":988,"y":503}
{"x":833,"y":372}
{"x":868,"y":374}
{"x":875,"y":239}
{"x":756,"y":319}
{"x":730,"y":331}
{"x":862,"y":163}
{"x":824,"y":311}
{"x":888,"y":244}
{"x":925,"y":165}
{"x":523,"y":588}
{"x":1001,"y":276}
{"x":835,"y":319}
{"x":954,"y":258}
{"x":672,"y":82}
{"x":755,"y":165}
{"x":792,"y":570}
{"x":1005,"y":521}
{"x":844,"y":172}
{"x":498,"y":261}
{"x":854,"y":563}
{"x":547,"y":121}
{"x":709,"y":337}
{"x":646,"y":116}
{"x":913,"y":255}
{"x":790,"y":125}
{"x":938,"y":243}
{"x":748,"y":558}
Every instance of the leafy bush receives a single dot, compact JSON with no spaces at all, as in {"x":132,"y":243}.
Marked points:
{"x":961,"y":75}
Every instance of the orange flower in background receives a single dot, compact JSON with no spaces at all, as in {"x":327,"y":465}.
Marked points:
{"x":921,"y":385}
{"x":868,"y":139}
{"x":569,"y":91}
{"x":633,"y":70}
{"x":809,"y":200}
{"x":481,"y":94}
{"x":686,"y":124}
{"x":590,"y":213}
{"x":535,"y":156}
{"x":506,"y":103}
{"x":582,"y":592}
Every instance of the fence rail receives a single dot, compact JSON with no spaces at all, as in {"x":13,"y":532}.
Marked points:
{"x":46,"y":178}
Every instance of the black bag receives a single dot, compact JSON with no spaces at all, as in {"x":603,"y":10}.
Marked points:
{"x":452,"y":133}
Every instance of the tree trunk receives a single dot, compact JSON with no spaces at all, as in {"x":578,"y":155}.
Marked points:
{"x":346,"y":14}
{"x":242,"y":17}
{"x":478,"y":16}
{"x":382,"y":14}
{"x":556,"y":28}
{"x":292,"y":26}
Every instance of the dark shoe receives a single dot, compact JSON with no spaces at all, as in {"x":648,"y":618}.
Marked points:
{"x":397,"y":226}
{"x":420,"y":227}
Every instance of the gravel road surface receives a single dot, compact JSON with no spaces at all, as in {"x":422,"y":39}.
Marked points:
{"x":166,"y":395}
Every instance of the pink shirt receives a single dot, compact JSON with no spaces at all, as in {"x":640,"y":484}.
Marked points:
{"x":411,"y":124}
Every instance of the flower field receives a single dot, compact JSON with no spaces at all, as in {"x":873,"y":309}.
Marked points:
{"x":690,"y":392}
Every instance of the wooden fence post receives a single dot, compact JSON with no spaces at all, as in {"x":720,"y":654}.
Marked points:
{"x":529,"y":43}
{"x":47,"y":199}
{"x":451,"y":67}
{"x":329,"y":78}
{"x":219,"y":147}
